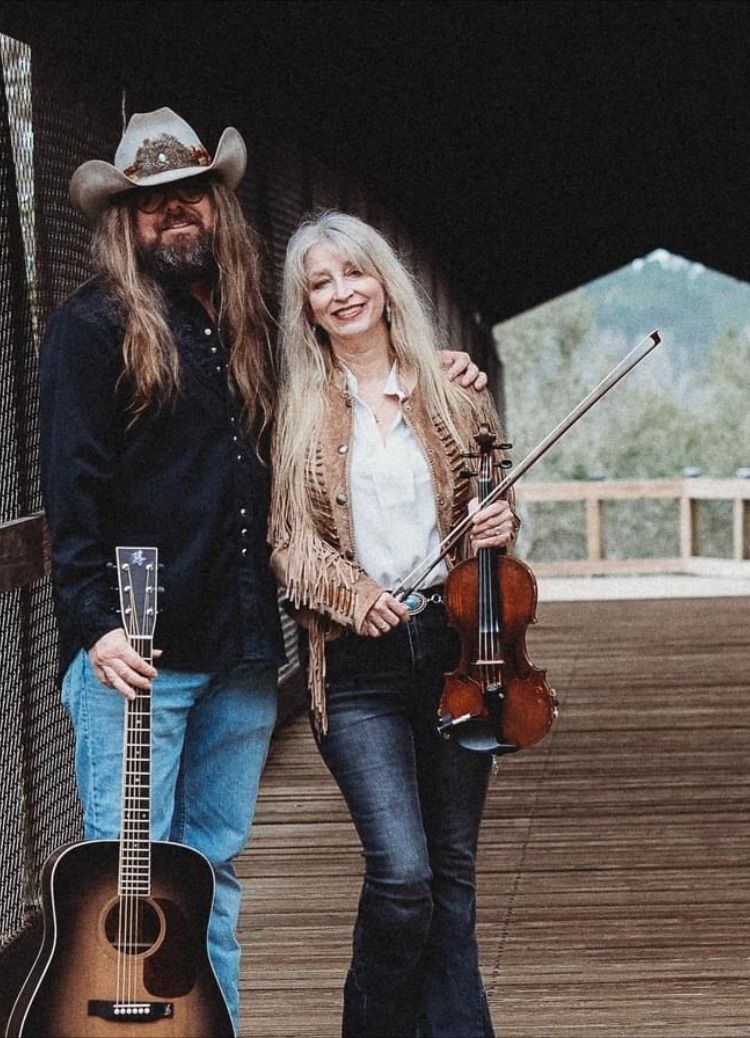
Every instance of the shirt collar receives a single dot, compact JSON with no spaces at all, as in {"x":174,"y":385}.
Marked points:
{"x":392,"y":386}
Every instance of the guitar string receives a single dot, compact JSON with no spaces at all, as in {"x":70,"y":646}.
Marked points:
{"x":129,"y":906}
{"x":122,"y":904}
{"x":131,"y":852}
{"x":142,"y":808}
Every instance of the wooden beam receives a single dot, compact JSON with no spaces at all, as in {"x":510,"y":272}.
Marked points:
{"x":604,"y":567}
{"x":24,"y":552}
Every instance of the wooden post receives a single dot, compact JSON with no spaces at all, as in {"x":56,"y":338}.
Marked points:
{"x":595,"y":529}
{"x":688,"y":526}
{"x":741,"y":531}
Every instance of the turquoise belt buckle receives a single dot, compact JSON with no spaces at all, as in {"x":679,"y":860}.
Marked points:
{"x":415,"y":602}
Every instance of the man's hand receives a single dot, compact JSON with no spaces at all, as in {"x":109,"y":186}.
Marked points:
{"x":385,"y":614}
{"x":117,"y":665}
{"x":456,"y":363}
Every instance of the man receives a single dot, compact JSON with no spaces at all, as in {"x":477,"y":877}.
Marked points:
{"x":156,"y":399}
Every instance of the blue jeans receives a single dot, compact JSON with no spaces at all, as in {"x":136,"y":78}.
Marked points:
{"x":416,"y":800}
{"x":210,"y":737}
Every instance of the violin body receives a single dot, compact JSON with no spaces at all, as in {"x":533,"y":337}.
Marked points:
{"x":503,"y":696}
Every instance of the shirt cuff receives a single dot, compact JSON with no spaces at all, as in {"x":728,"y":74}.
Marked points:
{"x":94,"y":621}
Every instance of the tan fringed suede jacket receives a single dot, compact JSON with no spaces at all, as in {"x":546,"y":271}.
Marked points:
{"x":314,"y":558}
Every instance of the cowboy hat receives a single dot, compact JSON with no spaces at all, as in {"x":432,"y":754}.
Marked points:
{"x":156,"y":148}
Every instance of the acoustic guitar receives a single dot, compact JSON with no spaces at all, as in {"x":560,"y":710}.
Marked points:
{"x":124,"y":950}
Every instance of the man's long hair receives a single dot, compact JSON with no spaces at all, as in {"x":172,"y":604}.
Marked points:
{"x":150,"y":353}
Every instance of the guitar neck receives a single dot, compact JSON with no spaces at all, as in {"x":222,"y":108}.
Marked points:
{"x":136,"y":576}
{"x":135,"y":837}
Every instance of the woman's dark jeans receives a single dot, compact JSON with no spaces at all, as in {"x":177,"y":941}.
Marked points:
{"x":416,"y":800}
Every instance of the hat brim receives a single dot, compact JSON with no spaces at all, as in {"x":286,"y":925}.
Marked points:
{"x":94,"y":184}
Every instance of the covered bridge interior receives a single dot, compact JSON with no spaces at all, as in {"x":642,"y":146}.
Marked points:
{"x":513,"y":151}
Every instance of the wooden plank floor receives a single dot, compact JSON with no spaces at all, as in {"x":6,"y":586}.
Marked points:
{"x":614,"y":877}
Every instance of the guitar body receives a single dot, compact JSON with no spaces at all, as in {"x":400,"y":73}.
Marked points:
{"x":166,"y":981}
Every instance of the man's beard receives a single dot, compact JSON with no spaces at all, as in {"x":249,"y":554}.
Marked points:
{"x":187,"y":259}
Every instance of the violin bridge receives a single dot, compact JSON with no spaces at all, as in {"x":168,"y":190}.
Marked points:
{"x":488,"y":663}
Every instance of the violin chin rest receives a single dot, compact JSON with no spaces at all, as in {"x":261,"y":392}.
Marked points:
{"x":477,"y":733}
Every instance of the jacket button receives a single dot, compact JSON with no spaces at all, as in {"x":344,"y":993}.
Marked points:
{"x":349,"y":554}
{"x":407,"y":407}
{"x":441,"y":501}
{"x":243,"y":511}
{"x":343,"y":448}
{"x":243,"y":553}
{"x":340,"y":499}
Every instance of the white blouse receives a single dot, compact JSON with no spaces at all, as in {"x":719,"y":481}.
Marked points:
{"x":392,"y":495}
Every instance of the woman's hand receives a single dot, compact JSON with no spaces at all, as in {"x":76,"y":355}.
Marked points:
{"x":493,"y":526}
{"x":456,"y":363}
{"x":386,"y":613}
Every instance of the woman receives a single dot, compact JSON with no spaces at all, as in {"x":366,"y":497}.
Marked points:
{"x":368,"y":479}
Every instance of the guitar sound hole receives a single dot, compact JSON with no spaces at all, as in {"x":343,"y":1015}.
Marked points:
{"x":137,"y":931}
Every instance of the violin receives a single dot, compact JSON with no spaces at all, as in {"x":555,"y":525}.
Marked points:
{"x":495,"y":700}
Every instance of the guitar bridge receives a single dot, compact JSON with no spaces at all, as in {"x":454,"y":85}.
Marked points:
{"x":129,"y":1012}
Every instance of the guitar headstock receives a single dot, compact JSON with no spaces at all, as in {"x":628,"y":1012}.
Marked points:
{"x":137,"y":584}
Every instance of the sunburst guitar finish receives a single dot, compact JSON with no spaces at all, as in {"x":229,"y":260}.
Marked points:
{"x":90,"y":981}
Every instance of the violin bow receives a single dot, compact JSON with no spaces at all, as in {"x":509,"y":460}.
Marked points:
{"x":423,"y":569}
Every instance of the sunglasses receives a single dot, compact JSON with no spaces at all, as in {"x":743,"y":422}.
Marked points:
{"x":151,"y":199}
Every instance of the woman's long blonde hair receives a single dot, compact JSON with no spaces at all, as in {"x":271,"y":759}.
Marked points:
{"x":306,"y":360}
{"x":150,"y":354}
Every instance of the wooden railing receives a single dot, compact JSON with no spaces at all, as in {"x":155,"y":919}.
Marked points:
{"x":595,"y":494}
{"x":24,"y":548}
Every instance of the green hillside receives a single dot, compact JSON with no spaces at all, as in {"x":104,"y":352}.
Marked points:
{"x":692,"y":305}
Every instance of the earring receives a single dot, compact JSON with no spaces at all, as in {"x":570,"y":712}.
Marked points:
{"x":388,"y":314}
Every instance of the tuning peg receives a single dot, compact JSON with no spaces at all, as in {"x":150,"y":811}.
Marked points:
{"x":470,"y":454}
{"x":160,"y":589}
{"x":506,"y":446}
{"x":504,"y":463}
{"x":468,"y":474}
{"x":160,"y":565}
{"x":111,"y":565}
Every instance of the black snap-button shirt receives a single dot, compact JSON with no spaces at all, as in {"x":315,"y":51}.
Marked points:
{"x":185,"y":479}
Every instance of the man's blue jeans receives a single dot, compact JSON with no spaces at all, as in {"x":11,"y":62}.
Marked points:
{"x":416,"y":801}
{"x":210,"y":737}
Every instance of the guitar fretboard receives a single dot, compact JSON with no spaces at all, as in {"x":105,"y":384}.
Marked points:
{"x":135,"y":839}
